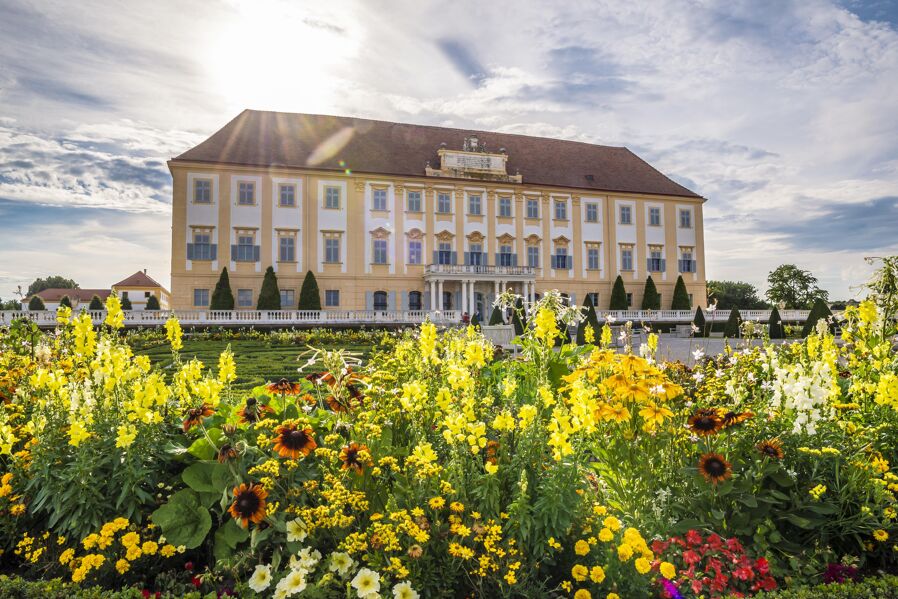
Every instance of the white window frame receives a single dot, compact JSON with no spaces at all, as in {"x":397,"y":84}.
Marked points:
{"x":379,"y":251}
{"x":628,"y":210}
{"x":332,"y":246}
{"x":244,"y":187}
{"x":505,"y":207}
{"x":475,"y":200}
{"x":532,"y":203}
{"x":244,"y":298}
{"x":290,"y":242}
{"x":332,"y":198}
{"x":418,"y":199}
{"x":282,"y":187}
{"x":654,"y":211}
{"x":379,"y":199}
{"x":196,"y":186}
{"x":560,"y":207}
{"x":415,"y":251}
{"x":592,"y":212}
{"x":332,"y":298}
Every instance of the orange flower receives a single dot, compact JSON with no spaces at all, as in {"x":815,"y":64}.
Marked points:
{"x":253,"y":411}
{"x":195,"y":416}
{"x":355,"y":457}
{"x":284,"y":387}
{"x":249,"y":504}
{"x":730,"y":418}
{"x":292,"y":440}
{"x":705,"y":421}
{"x":772,"y":449}
{"x":714,"y":468}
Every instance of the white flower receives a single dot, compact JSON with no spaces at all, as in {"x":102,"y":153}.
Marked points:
{"x":698,"y":377}
{"x":609,"y":319}
{"x":308,"y":557}
{"x":366,"y":582}
{"x":404,"y":590}
{"x":261,"y":578}
{"x":694,"y":328}
{"x":712,"y":307}
{"x":340,"y":563}
{"x":292,"y":583}
{"x":657,"y":390}
{"x":296,"y":530}
{"x":698,"y":354}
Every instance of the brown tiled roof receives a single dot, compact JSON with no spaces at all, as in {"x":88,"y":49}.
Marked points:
{"x":82,"y":295}
{"x":258,"y":138}
{"x":138,"y":279}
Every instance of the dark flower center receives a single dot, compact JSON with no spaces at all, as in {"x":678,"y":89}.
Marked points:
{"x":247,"y":503}
{"x":251,"y":401}
{"x":295,"y":439}
{"x":715,"y":467}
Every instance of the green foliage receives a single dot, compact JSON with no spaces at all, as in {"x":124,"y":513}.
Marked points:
{"x":20,"y":588}
{"x":95,"y":303}
{"x":590,"y":319}
{"x":183,"y":519}
{"x":269,"y":296}
{"x":10,"y":304}
{"x":699,"y":321}
{"x":818,"y":310}
{"x":884,"y":587}
{"x":650,"y":298}
{"x":735,"y":294}
{"x":309,"y":295}
{"x":883,"y":287}
{"x":516,"y":317}
{"x":680,"y":296}
{"x":795,"y":288}
{"x":732,"y":326}
{"x":51,"y":282}
{"x":152,"y":303}
{"x":775,"y":325}
{"x":222,"y":296}
{"x":496,"y":316}
{"x":126,"y":303}
{"x":65,"y":301}
{"x":619,"y":295}
{"x":36,"y":303}
{"x":475,"y":320}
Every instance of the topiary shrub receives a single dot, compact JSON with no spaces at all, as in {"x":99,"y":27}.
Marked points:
{"x":95,"y":303}
{"x":126,"y":303}
{"x":732,"y":326}
{"x":619,"y":295}
{"x":269,"y":296}
{"x":496,"y":317}
{"x":309,"y":295}
{"x":775,"y":325}
{"x":818,"y":310}
{"x":475,"y":320}
{"x":699,"y":321}
{"x":36,"y":303}
{"x":222,"y":296}
{"x":152,"y":303}
{"x":650,"y":298}
{"x":516,"y":321}
{"x":590,"y":319}
{"x":680,"y":296}
{"x":65,"y":301}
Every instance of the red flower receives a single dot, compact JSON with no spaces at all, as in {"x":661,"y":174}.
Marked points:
{"x":734,"y":545}
{"x":188,"y":566}
{"x":768,"y":584}
{"x":744,"y":573}
{"x":197,"y":583}
{"x":693,"y":537}
{"x":659,"y":547}
{"x":762,"y":566}
{"x":691,"y":557}
{"x":714,"y":541}
{"x":697,"y":585}
{"x":145,"y":593}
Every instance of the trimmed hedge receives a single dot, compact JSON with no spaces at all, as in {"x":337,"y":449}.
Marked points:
{"x":885,"y":587}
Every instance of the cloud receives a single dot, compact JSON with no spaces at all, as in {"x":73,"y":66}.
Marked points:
{"x":868,"y":227}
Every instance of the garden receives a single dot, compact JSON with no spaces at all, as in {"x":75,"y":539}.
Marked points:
{"x":439,"y":467}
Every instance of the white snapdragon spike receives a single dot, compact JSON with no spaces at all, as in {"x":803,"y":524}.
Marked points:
{"x":698,"y":377}
{"x":610,"y":319}
{"x":698,"y":354}
{"x":712,"y":307}
{"x":822,"y":327}
{"x":261,"y":578}
{"x":804,"y":392}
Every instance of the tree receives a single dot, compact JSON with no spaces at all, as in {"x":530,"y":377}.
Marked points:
{"x":36,"y":303}
{"x":51,"y":282}
{"x":699,"y":322}
{"x":152,"y":303}
{"x":496,"y":317}
{"x":735,"y":294}
{"x":795,"y":288}
{"x":475,"y":320}
{"x":680,"y":296}
{"x":619,"y":295}
{"x":519,"y":324}
{"x":95,"y":303}
{"x":650,"y":298}
{"x":222,"y":296}
{"x":10,"y":305}
{"x":775,"y":325}
{"x":126,"y":303}
{"x":591,"y":320}
{"x":732,"y":326}
{"x":309,"y":295}
{"x":65,"y":301}
{"x":269,"y":296}
{"x":818,"y":310}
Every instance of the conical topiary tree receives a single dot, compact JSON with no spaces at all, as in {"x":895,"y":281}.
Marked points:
{"x":496,"y":317}
{"x":650,"y":298}
{"x":590,"y":319}
{"x":699,"y":322}
{"x":222,"y":296}
{"x":475,"y":320}
{"x":95,"y":303}
{"x":152,"y":303}
{"x":270,"y":295}
{"x":818,"y":310}
{"x":65,"y":301}
{"x":619,"y":295}
{"x":732,"y":326}
{"x":309,"y":295}
{"x":680,"y":296}
{"x":516,"y":317}
{"x":36,"y":303}
{"x":775,"y":324}
{"x":126,"y":303}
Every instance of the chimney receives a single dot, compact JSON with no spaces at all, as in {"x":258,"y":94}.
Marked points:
{"x":144,"y":271}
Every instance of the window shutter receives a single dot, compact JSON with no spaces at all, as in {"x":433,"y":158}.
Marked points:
{"x":454,"y":258}
{"x":213,"y":251}
{"x":234,"y":253}
{"x":391,"y":300}
{"x":256,"y":249}
{"x":514,"y":259}
{"x":369,"y":300}
{"x":436,"y":256}
{"x":190,"y":251}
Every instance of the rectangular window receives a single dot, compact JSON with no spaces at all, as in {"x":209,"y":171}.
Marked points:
{"x":444,"y":203}
{"x":287,"y":249}
{"x":626,"y":259}
{"x":532,"y":208}
{"x":288,"y":299}
{"x":560,"y":210}
{"x":592,"y":258}
{"x":592,"y":213}
{"x":202,"y":191}
{"x":444,"y":253}
{"x":562,"y":260}
{"x":332,"y":250}
{"x":245,"y":298}
{"x":202,"y":248}
{"x":687,"y":264}
{"x":475,"y":254}
{"x":656,"y":260}
{"x":414,"y":251}
{"x":629,"y":300}
{"x":594,"y":298}
{"x":124,"y":295}
{"x":380,"y":251}
{"x":379,"y":199}
{"x":533,"y":256}
{"x":201,"y":298}
{"x":331,"y":298}
{"x":287,"y":196}
{"x":505,"y":206}
{"x":685,"y":219}
{"x":414,"y":201}
{"x":655,"y":217}
{"x":506,"y":257}
{"x":474,"y":204}
{"x":626,"y":215}
{"x":332,"y":198}
{"x":245,"y":249}
{"x":246,"y":193}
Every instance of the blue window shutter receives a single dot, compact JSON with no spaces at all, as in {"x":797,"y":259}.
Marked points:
{"x":426,"y":303}
{"x":256,"y":249}
{"x":454,"y":258}
{"x":369,"y":300}
{"x":213,"y":252}
{"x":234,"y":253}
{"x":514,"y":259}
{"x":190,"y":251}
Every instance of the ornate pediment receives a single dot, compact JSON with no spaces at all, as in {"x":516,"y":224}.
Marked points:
{"x":472,"y":161}
{"x":414,"y":233}
{"x":533,"y":239}
{"x":475,"y":236}
{"x":380,"y":233}
{"x":561,"y":239}
{"x":445,"y":235}
{"x":505,"y":238}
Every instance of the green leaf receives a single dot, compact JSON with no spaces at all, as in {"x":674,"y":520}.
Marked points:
{"x":206,"y":477}
{"x":202,"y":449}
{"x":227,"y":537}
{"x":748,"y":500}
{"x":183,"y":520}
{"x":800,"y":521}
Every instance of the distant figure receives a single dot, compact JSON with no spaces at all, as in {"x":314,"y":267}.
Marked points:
{"x":465,"y":318}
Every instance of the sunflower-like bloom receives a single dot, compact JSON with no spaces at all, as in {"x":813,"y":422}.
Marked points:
{"x":730,"y":418}
{"x":249,"y":504}
{"x":291,"y":441}
{"x":355,"y":457}
{"x":284,"y":387}
{"x":195,"y":416}
{"x":705,"y":422}
{"x":772,"y":449}
{"x":714,"y":468}
{"x":226,"y":452}
{"x":253,"y":411}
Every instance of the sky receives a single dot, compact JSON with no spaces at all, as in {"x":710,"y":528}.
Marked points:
{"x":782,"y":114}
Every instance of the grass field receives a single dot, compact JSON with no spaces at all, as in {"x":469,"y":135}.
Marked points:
{"x":258,"y":361}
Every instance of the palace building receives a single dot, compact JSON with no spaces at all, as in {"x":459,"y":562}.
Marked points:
{"x":395,"y":217}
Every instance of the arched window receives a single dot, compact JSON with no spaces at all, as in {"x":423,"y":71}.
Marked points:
{"x":414,"y":300}
{"x":380,"y":300}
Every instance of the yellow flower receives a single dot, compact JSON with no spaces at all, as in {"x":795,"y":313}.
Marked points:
{"x":66,"y":556}
{"x":597,"y":574}
{"x":490,"y":468}
{"x":581,"y":547}
{"x":818,"y":491}
{"x":227,"y":369}
{"x":130,"y":539}
{"x":881,"y":535}
{"x":668,"y":570}
{"x":655,"y":414}
{"x":642,"y":565}
{"x":126,"y":435}
{"x":173,"y":333}
{"x":167,"y":550}
{"x":582,"y":594}
{"x":133,"y":552}
{"x":612,"y":523}
{"x":605,"y":535}
{"x":457,"y":507}
{"x":553,"y":543}
{"x":612,"y":596}
{"x":437,"y":503}
{"x":624,"y":552}
{"x":545,"y":326}
{"x":77,"y":434}
{"x":115,"y":318}
{"x":504,"y":422}
{"x":122,"y":566}
{"x":579,"y":572}
{"x":149,"y":547}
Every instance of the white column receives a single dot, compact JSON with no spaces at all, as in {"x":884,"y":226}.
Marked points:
{"x":464,"y":296}
{"x":440,"y":294}
{"x":472,"y":303}
{"x":433,"y":295}
{"x":496,"y":285}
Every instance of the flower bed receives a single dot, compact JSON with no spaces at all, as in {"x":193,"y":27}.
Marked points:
{"x":438,"y":470}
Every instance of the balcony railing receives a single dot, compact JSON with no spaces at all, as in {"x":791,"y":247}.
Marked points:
{"x":202,"y":251}
{"x":687,"y":266}
{"x":656,"y":264}
{"x":562,"y":262}
{"x":475,"y":269}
